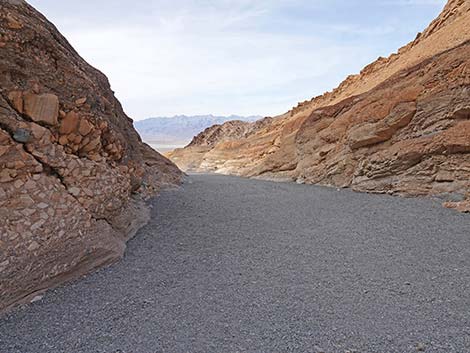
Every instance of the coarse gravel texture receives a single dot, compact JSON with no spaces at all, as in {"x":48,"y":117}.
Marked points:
{"x":236,"y":265}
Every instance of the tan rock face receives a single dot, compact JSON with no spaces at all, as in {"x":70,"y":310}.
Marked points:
{"x":73,"y":171}
{"x":401,"y":126}
{"x":369,"y":134}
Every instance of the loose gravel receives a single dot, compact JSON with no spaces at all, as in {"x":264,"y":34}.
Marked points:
{"x":236,"y":265}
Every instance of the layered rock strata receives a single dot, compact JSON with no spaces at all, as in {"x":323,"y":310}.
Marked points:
{"x":401,"y":126}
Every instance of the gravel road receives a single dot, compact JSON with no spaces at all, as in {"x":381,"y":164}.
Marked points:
{"x":235,"y":265}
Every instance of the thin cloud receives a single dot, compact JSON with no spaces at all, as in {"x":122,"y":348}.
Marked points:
{"x":227,"y":57}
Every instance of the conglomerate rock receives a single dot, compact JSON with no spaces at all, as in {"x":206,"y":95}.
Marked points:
{"x":73,"y":171}
{"x":401,"y":126}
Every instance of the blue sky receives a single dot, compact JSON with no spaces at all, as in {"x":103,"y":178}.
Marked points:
{"x":245,"y":57}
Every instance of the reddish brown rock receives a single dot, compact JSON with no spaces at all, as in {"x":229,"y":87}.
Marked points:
{"x":85,"y":127}
{"x":16,"y":99}
{"x":69,"y":123}
{"x":71,"y":192}
{"x":401,"y":126}
{"x":43,"y":108}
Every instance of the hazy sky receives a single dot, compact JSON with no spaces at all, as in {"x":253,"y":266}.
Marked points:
{"x":232,"y":56}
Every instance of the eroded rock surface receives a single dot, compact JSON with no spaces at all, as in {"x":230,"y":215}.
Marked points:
{"x":401,"y":126}
{"x":73,"y":171}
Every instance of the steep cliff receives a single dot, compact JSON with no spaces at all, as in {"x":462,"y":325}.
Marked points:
{"x":400,"y":126}
{"x":73,"y":171}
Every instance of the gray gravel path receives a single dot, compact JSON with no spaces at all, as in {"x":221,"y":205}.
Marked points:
{"x":234,"y":265}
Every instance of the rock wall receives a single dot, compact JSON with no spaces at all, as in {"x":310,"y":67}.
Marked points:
{"x":399,"y":127}
{"x":408,"y":136}
{"x":73,"y":171}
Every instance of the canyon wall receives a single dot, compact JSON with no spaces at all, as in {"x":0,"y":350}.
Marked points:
{"x":74,"y":173}
{"x":401,"y":126}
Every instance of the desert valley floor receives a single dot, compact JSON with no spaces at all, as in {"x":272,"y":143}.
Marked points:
{"x":237,"y":265}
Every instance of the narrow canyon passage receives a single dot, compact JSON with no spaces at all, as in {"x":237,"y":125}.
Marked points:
{"x":237,"y":265}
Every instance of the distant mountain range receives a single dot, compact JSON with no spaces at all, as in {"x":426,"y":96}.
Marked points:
{"x":177,"y":131}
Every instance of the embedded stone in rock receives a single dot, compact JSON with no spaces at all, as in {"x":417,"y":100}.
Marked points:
{"x":22,"y":135}
{"x":74,"y":191}
{"x":91,"y":145}
{"x":69,"y":124}
{"x":16,"y":99}
{"x":4,"y":150}
{"x":85,"y":127}
{"x":13,"y":22}
{"x":42,"y":108}
{"x":81,"y":101}
{"x":63,"y":140}
{"x":37,"y":131}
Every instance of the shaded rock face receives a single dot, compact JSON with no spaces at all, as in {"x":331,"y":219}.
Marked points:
{"x":401,"y":126}
{"x":73,"y":171}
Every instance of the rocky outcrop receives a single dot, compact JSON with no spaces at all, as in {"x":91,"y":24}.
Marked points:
{"x":217,"y":138}
{"x":401,"y":126}
{"x":73,"y":171}
{"x":231,"y":130}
